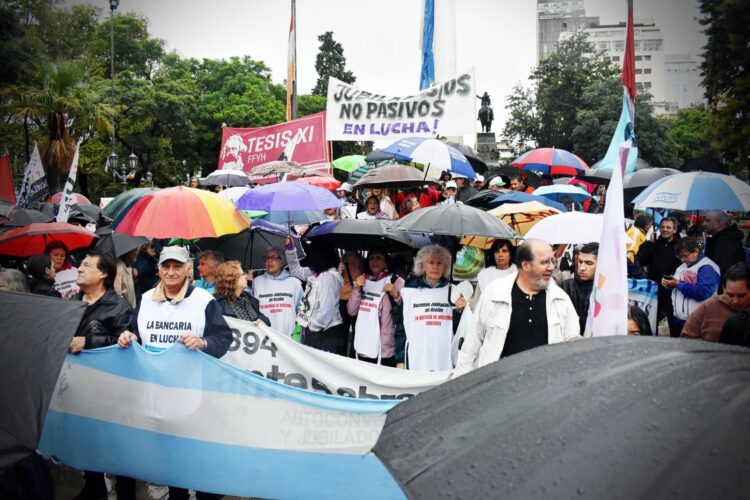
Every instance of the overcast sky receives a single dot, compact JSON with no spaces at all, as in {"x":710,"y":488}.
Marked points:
{"x":380,"y":37}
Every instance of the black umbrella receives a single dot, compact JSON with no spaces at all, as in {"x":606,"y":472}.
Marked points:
{"x":117,"y":244}
{"x":705,"y":164}
{"x":36,"y":335}
{"x":391,"y":176}
{"x":483,"y":199}
{"x":20,"y":217}
{"x":636,"y":417}
{"x":596,"y":175}
{"x":249,"y":246}
{"x":531,"y":178}
{"x":639,"y":180}
{"x":471,"y":154}
{"x":356,"y":234}
{"x":377,"y":155}
{"x":455,"y":219}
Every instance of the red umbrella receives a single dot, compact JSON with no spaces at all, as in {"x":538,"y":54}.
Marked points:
{"x":34,"y":238}
{"x":323,"y":181}
{"x":550,"y":161}
{"x":80,"y":199}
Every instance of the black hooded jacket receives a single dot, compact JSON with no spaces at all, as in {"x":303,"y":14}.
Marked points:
{"x":725,"y":247}
{"x":104,"y":320}
{"x":579,"y":292}
{"x":659,"y":257}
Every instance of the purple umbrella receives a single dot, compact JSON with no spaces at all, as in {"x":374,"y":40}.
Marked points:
{"x":287,"y":196}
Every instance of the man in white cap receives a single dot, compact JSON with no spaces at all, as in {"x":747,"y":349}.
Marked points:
{"x":497,"y":183}
{"x":479,"y":182}
{"x":449,"y":193}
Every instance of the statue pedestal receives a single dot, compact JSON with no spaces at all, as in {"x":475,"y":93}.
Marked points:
{"x":487,"y":146}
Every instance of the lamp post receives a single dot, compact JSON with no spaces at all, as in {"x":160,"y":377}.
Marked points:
{"x":113,"y":155}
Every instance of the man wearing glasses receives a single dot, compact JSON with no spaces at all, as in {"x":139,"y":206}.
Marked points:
{"x":725,"y":244}
{"x":278,"y":292}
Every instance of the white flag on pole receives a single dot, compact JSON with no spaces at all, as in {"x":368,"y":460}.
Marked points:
{"x":34,"y":186}
{"x":68,"y":200}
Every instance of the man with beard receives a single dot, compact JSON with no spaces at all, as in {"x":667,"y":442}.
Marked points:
{"x":579,"y":287}
{"x":521,"y":311}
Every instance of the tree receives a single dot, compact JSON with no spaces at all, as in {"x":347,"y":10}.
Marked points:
{"x":725,"y":75}
{"x":690,"y":131}
{"x":330,"y":61}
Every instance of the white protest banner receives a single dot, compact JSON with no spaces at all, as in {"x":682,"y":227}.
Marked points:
{"x":65,"y":282}
{"x":68,"y":200}
{"x":644,"y":294}
{"x":270,"y":354}
{"x":446,"y":108}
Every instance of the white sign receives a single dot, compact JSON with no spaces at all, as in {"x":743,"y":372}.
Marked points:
{"x":65,"y":282}
{"x":446,"y":108}
{"x":270,"y":354}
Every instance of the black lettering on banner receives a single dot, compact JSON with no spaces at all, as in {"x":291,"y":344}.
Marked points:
{"x":346,"y":392}
{"x":268,"y":346}
{"x":319,"y":386}
{"x":251,"y":346}
{"x":463,"y":84}
{"x":296,"y":380}
{"x":363,"y":393}
{"x":275,"y":374}
{"x":235,"y":340}
{"x":153,"y":337}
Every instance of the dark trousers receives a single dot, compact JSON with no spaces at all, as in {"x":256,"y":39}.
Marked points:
{"x":93,"y":484}
{"x":383,"y":361}
{"x":666,"y":310}
{"x":330,"y":340}
{"x":183,"y":494}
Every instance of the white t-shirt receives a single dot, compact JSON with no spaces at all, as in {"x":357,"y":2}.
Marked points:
{"x":278,"y":299}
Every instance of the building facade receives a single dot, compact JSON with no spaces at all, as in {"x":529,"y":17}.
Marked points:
{"x":555,"y":17}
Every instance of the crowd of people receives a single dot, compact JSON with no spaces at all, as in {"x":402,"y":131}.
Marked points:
{"x":388,"y":308}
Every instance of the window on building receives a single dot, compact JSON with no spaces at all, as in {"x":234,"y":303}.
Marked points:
{"x":647,"y":85}
{"x":652,"y":45}
{"x":615,"y":58}
{"x":638,"y":71}
{"x":618,"y":45}
{"x":606,"y":59}
{"x":638,"y":58}
{"x":602,"y":45}
{"x":646,"y":71}
{"x":637,"y":44}
{"x":646,"y":58}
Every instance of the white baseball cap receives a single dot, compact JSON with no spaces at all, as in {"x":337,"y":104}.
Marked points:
{"x":451,"y":184}
{"x":497,"y":181}
{"x":180,"y":254}
{"x":345,"y":187}
{"x":479,"y":178}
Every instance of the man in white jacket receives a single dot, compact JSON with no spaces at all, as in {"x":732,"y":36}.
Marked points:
{"x":519,"y":311}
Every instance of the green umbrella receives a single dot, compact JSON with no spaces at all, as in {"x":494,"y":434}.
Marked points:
{"x":124,"y":200}
{"x":348,"y":163}
{"x":254,"y":214}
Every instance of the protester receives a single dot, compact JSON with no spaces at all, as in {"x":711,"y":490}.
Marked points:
{"x":499,"y":262}
{"x":231,"y":297}
{"x":372,"y":210}
{"x":350,"y":267}
{"x":580,"y":286}
{"x":519,"y":312}
{"x":147,"y":269}
{"x":208,"y":263}
{"x":429,"y":195}
{"x":638,"y":322}
{"x":694,"y":281}
{"x":660,"y":259}
{"x":106,"y":317}
{"x":411,"y":205}
{"x":707,"y":320}
{"x":724,"y":246}
{"x":449,"y":193}
{"x":65,"y":272}
{"x":567,"y":202}
{"x":479,"y":182}
{"x":42,"y":273}
{"x":465,"y":190}
{"x":372,"y":300}
{"x":426,"y":294}
{"x":637,"y":235}
{"x":278,"y":292}
{"x":124,"y":281}
{"x":386,"y":204}
{"x":517,"y":183}
{"x":195,"y":183}
{"x":349,"y":205}
{"x":497,"y":184}
{"x":319,"y":314}
{"x":13,"y":280}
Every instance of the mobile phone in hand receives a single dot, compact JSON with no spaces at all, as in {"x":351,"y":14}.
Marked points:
{"x":668,"y":277}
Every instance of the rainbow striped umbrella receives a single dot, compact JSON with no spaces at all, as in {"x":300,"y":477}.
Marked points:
{"x":550,"y":161}
{"x":182,"y":212}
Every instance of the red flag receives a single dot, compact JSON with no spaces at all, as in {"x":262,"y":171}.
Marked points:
{"x":628,"y":63}
{"x":7,"y":190}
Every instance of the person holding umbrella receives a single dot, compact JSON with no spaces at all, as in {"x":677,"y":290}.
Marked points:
{"x":279,"y":293}
{"x":428,"y":315}
{"x":373,"y":297}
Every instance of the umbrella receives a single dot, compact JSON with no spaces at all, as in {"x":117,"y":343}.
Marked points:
{"x":471,"y":154}
{"x":523,"y":216}
{"x":293,"y":217}
{"x":558,"y":192}
{"x":378,"y":155}
{"x":361,"y":170}
{"x":595,"y":176}
{"x":323,"y":181}
{"x":455,"y":219}
{"x":117,"y":244}
{"x":181,"y":212}
{"x":34,"y":238}
{"x":640,"y":164}
{"x":20,"y":217}
{"x":518,"y":197}
{"x":696,"y":191}
{"x":639,"y":180}
{"x":234,"y":193}
{"x":562,"y":180}
{"x":123,"y":201}
{"x":484,"y":198}
{"x":348,"y":163}
{"x":226,"y":177}
{"x":580,"y":419}
{"x":356,"y":234}
{"x":79,"y":199}
{"x":287,"y":196}
{"x":276,"y":168}
{"x":529,"y":177}
{"x":36,"y":335}
{"x":570,"y":228}
{"x":392,"y":176}
{"x":435,"y":155}
{"x":249,"y":246}
{"x":551,"y":161}
{"x":705,"y":164}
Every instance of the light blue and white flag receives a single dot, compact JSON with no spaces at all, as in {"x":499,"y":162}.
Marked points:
{"x":183,"y":418}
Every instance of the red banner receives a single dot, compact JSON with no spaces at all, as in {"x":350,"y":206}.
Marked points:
{"x":302,"y":141}
{"x":7,"y":190}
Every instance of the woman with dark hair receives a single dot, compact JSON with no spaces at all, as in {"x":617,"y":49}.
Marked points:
{"x":42,"y":273}
{"x":65,"y":273}
{"x":319,"y":314}
{"x":372,"y":210}
{"x":499,"y":262}
{"x":638,"y":322}
{"x":373,"y":298}
{"x":231,"y":297}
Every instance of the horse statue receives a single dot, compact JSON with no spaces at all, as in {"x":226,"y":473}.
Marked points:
{"x":485,"y":117}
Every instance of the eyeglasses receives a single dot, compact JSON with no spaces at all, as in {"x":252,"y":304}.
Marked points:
{"x":271,"y":257}
{"x":686,"y":256}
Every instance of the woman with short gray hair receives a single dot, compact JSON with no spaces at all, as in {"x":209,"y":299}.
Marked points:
{"x":13,"y":280}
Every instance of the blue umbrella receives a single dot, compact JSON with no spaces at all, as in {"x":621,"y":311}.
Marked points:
{"x":518,"y":197}
{"x":433,"y":154}
{"x":558,"y":192}
{"x":290,"y":202}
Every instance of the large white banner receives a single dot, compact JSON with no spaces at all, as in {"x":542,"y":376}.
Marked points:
{"x":446,"y":108}
{"x":268,"y":353}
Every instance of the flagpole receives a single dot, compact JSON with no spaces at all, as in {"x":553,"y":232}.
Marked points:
{"x":291,"y":80}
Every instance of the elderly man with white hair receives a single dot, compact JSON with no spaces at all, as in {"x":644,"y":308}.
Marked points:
{"x":521,"y":311}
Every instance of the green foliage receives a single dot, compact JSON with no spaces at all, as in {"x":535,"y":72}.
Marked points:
{"x":574,"y":103}
{"x":726,"y":59}
{"x":310,"y":104}
{"x":690,"y":131}
{"x":330,"y":61}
